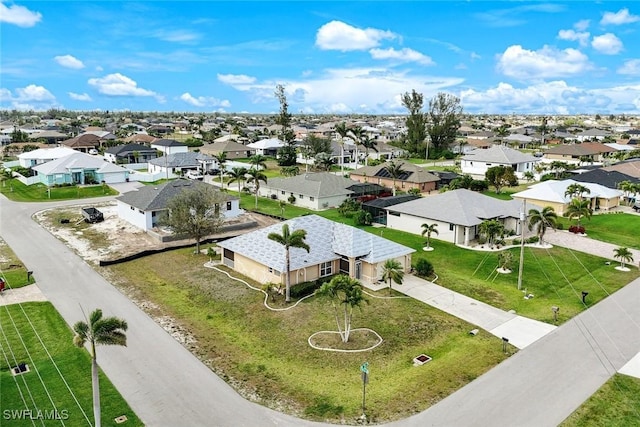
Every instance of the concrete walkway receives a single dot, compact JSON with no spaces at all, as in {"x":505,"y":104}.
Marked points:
{"x":585,"y":244}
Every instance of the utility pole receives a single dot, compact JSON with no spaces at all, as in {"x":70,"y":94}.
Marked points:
{"x":523,"y":218}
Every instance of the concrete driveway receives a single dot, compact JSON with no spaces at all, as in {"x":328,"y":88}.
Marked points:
{"x":585,"y":244}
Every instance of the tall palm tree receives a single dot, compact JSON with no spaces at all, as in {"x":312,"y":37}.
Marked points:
{"x":576,"y":190}
{"x":343,"y":131}
{"x":543,"y":219}
{"x":395,"y":171}
{"x":258,"y":161}
{"x":624,"y":255}
{"x":255,"y":176}
{"x":579,"y":208}
{"x":627,"y":188}
{"x":357,"y":133}
{"x":222,"y":159}
{"x":392,"y":271}
{"x":368,"y":144}
{"x":99,"y":330}
{"x":289,"y":240}
{"x":429,"y":229}
{"x":237,"y":174}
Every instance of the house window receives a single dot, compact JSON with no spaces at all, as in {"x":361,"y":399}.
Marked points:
{"x":228,"y":206}
{"x":282,"y":192}
{"x":326,"y":268}
{"x":300,"y":196}
{"x":451,"y":227}
{"x":132,"y":208}
{"x":311,"y":198}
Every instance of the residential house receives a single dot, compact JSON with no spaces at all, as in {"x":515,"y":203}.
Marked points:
{"x":83,"y":142}
{"x":333,"y":248}
{"x":143,"y":207}
{"x":140,"y":138}
{"x":592,"y":134}
{"x":377,"y":207}
{"x":577,"y":153}
{"x":627,"y":167}
{"x":233,"y":149}
{"x":267,"y":147}
{"x":80,"y":168}
{"x":553,"y":193}
{"x":169,"y":146}
{"x":130,"y":153}
{"x":457,"y":213}
{"x":49,"y":136}
{"x":315,"y":191}
{"x":182,"y":162}
{"x":413,"y":177}
{"x":478,"y":161}
{"x":610,"y":179}
{"x":43,"y":155}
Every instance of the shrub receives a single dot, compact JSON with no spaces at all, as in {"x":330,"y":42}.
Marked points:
{"x":560,"y":226}
{"x":274,"y":196}
{"x":482,"y":240}
{"x":533,"y":239}
{"x":292,"y":199}
{"x":576,"y":229}
{"x":306,"y":288}
{"x":363,"y":217}
{"x":423,"y":267}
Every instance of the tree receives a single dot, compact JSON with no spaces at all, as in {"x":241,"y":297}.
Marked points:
{"x":255,"y":176}
{"x":343,"y":131}
{"x":357,"y":133}
{"x":624,"y":255}
{"x":576,"y":190}
{"x":343,"y":291}
{"x":258,"y":161}
{"x":392,"y":271}
{"x":287,"y":154}
{"x":543,"y":219}
{"x":289,"y":240}
{"x":429,"y":229}
{"x":501,"y":176}
{"x":195,"y":212}
{"x":237,"y":174}
{"x":505,"y":258}
{"x":628,"y":188}
{"x":395,"y":172}
{"x":368,"y":144}
{"x":289,"y":170}
{"x":416,"y":122}
{"x":99,"y":331}
{"x":578,"y":208}
{"x":323,"y":161}
{"x":491,"y":229}
{"x":444,"y":120}
{"x":222,"y":159}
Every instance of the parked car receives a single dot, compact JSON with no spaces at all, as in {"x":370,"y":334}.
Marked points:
{"x":194,"y":174}
{"x":93,"y":151}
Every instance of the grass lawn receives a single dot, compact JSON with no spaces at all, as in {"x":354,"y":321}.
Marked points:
{"x":265,"y":354}
{"x":29,"y":390}
{"x":620,"y":229}
{"x":616,"y":404}
{"x":11,"y":268}
{"x":18,"y":192}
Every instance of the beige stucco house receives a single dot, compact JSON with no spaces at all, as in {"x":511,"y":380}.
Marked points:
{"x":334,"y":248}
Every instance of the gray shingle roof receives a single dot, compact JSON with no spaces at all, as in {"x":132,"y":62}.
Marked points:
{"x":500,"y":154}
{"x":318,"y":185}
{"x":156,"y":197}
{"x":168,"y":143}
{"x":181,"y":160}
{"x":327,"y":241}
{"x":129,"y":148}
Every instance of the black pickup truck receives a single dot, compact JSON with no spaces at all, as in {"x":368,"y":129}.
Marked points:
{"x":92,"y":215}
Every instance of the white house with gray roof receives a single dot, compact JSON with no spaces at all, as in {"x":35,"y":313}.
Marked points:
{"x":179,"y":163}
{"x":457,"y":214}
{"x":144,"y":206}
{"x":315,"y":191}
{"x":478,"y":161}
{"x":334,"y":248}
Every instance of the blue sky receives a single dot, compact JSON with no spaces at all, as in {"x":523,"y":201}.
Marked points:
{"x":332,"y":57}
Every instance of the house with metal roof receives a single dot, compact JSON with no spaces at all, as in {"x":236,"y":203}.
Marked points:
{"x":334,"y":248}
{"x":267,"y":147}
{"x":179,"y":163}
{"x":144,"y":206}
{"x":457,"y":214}
{"x":413,"y":176}
{"x":478,"y":161}
{"x":43,"y":155}
{"x":315,"y":191}
{"x":80,"y":168}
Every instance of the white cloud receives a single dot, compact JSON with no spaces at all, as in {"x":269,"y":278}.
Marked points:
{"x":19,"y":15}
{"x":204,"y":101}
{"x":5,"y":95}
{"x":582,"y":25}
{"x":34,"y":93}
{"x":630,"y":67}
{"x":80,"y":96}
{"x":337,"y":35}
{"x":119,"y":85}
{"x":607,"y":44}
{"x":69,"y":61}
{"x":236,"y":79}
{"x":403,"y":55}
{"x":31,"y":97}
{"x":581,"y":37}
{"x":618,"y":18}
{"x":177,"y":36}
{"x":547,"y":62}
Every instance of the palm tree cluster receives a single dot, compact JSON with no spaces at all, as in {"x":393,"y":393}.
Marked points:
{"x":346,"y":292}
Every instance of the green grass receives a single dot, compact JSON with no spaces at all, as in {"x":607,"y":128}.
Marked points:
{"x":18,"y":192}
{"x":11,"y":268}
{"x":17,"y":335}
{"x":266,"y":353}
{"x":616,"y":404}
{"x":620,"y":229}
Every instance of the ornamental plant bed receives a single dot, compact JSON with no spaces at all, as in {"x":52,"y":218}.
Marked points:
{"x":577,"y":229}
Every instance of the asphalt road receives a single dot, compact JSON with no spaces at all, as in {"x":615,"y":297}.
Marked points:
{"x":167,"y":386}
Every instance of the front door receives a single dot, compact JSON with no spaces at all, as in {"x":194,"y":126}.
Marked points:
{"x":358,"y":272}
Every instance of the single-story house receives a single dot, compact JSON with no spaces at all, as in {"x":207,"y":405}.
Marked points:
{"x":233,"y":149}
{"x":315,"y":191}
{"x":181,"y":162}
{"x":610,"y":179}
{"x":80,"y":168}
{"x":130,"y":153}
{"x":43,"y":155}
{"x":377,"y":207}
{"x":574,"y":153}
{"x":140,"y":138}
{"x":457,"y":214}
{"x":169,"y":146}
{"x":267,"y":147}
{"x":478,"y":161}
{"x":414,"y":176}
{"x":144,"y":206}
{"x":593,"y":133}
{"x":83,"y":142}
{"x":334,"y":248}
{"x":627,"y":167}
{"x":49,"y":136}
{"x":552,"y":193}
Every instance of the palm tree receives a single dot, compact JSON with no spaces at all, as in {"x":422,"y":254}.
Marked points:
{"x":99,"y":330}
{"x":576,"y":190}
{"x":343,"y":131}
{"x":429,"y":229}
{"x":491,"y":229}
{"x":545,"y":218}
{"x":627,"y":187}
{"x":392,"y":271}
{"x":624,"y":255}
{"x":346,"y":291}
{"x":258,"y":161}
{"x":237,"y":174}
{"x":222,"y":159}
{"x":289,"y":240}
{"x":395,"y":171}
{"x":368,"y":144}
{"x":579,"y":208}
{"x":357,"y":134}
{"x":255,"y":176}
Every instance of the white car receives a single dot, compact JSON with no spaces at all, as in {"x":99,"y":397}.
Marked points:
{"x":193,"y":174}
{"x":93,"y":151}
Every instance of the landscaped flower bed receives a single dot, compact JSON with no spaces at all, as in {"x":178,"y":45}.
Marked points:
{"x":577,"y":229}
